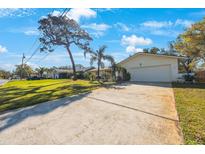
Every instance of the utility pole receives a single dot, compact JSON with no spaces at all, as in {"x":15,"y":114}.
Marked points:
{"x":23,"y":57}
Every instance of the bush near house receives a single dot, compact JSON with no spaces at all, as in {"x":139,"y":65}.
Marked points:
{"x":190,"y":103}
{"x":125,"y":75}
{"x":200,"y":76}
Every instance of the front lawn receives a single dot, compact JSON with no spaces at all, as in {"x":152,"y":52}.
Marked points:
{"x":17,"y":94}
{"x":190,"y":103}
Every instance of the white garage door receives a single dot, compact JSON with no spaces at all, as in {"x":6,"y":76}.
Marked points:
{"x":151,"y":74}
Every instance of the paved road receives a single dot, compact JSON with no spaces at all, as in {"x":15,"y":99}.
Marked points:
{"x":2,"y":81}
{"x":124,"y":114}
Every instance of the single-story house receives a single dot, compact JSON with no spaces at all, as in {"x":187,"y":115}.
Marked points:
{"x":105,"y":73}
{"x":146,"y":67}
{"x":61,"y":73}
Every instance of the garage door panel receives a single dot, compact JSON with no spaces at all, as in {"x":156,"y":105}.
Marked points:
{"x":152,"y":73}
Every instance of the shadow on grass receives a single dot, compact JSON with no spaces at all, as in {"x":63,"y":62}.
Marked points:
{"x":26,"y":97}
{"x":10,"y":119}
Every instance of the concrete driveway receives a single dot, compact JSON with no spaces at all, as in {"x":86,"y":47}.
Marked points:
{"x":130,"y":113}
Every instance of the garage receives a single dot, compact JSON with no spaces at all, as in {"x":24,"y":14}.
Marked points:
{"x":151,"y":74}
{"x":146,"y":67}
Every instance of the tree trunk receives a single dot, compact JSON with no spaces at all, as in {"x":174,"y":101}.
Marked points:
{"x":98,"y":72}
{"x":186,"y":68}
{"x":73,"y":63}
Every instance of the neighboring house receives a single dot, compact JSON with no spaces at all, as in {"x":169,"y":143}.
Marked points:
{"x":60,"y":73}
{"x":148,"y":67}
{"x":105,"y":73}
{"x":200,"y":75}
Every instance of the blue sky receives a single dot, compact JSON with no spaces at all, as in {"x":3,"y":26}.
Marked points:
{"x":124,"y":31}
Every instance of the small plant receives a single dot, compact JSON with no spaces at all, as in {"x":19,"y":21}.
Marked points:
{"x":127,"y":76}
{"x":189,"y":78}
{"x":92,"y":77}
{"x":80,"y":75}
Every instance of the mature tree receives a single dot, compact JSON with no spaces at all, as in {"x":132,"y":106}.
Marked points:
{"x":41,"y":70}
{"x":192,"y":45}
{"x":146,"y":50}
{"x":62,"y":31}
{"x":4,"y":74}
{"x":26,"y":70}
{"x":99,"y":57}
{"x":154,"y":50}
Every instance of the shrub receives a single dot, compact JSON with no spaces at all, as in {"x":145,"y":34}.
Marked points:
{"x":92,"y":77}
{"x":127,"y":76}
{"x":80,"y":75}
{"x":189,"y":78}
{"x":86,"y":75}
{"x":119,"y":79}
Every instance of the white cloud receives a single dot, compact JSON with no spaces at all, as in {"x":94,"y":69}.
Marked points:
{"x":25,"y":30}
{"x":10,"y":12}
{"x":106,"y":9}
{"x":97,"y":27}
{"x":97,"y":30}
{"x":122,"y":27}
{"x":6,"y":66}
{"x":157,"y":24}
{"x":133,"y":49}
{"x":165,"y":32}
{"x":132,"y":41}
{"x":78,"y":13}
{"x":31,"y":32}
{"x":33,"y":65}
{"x":166,"y":24}
{"x":3,"y":49}
{"x":112,"y":41}
{"x":54,"y":13}
{"x":165,"y":28}
{"x":184,"y":23}
{"x":97,"y":34}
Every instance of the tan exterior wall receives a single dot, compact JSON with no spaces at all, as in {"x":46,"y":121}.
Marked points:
{"x":141,"y":61}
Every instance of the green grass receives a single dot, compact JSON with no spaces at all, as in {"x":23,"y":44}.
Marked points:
{"x":17,"y":94}
{"x":190,"y":103}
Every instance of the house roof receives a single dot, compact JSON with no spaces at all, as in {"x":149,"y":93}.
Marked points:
{"x":102,"y":69}
{"x":148,"y":54}
{"x":63,"y":70}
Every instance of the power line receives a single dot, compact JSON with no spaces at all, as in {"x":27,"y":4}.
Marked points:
{"x":44,"y":57}
{"x":23,"y":57}
{"x":35,"y":51}
{"x":66,"y":10}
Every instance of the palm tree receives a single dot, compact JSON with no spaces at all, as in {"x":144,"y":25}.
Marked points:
{"x":99,"y":56}
{"x":41,"y":70}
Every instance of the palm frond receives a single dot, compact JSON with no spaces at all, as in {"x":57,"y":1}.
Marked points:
{"x":102,"y":49}
{"x":88,"y":51}
{"x":92,"y":60}
{"x":109,"y":58}
{"x":102,"y":65}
